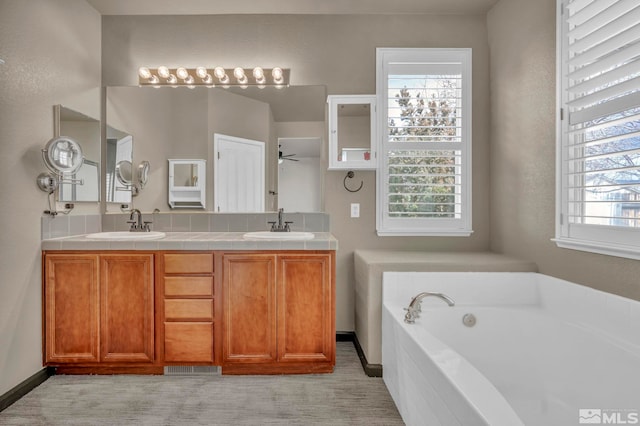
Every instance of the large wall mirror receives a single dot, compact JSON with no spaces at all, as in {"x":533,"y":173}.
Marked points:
{"x":180,"y":123}
{"x":85,"y":131}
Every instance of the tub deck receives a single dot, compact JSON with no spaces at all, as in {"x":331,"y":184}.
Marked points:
{"x":371,"y":264}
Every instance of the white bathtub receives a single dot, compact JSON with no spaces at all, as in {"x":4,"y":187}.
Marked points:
{"x":541,"y":351}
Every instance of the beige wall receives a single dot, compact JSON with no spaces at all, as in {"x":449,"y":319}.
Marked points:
{"x":52,"y":54}
{"x":522,"y":45}
{"x":336,"y":51}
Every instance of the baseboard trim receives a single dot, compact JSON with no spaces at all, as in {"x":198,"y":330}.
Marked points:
{"x":25,"y":387}
{"x":371,"y":370}
{"x":345,"y":336}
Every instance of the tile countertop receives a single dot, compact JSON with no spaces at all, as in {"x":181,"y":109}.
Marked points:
{"x":193,"y":241}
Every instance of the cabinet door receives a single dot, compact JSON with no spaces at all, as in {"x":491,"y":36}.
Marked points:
{"x":127,"y":308}
{"x":71,"y":308}
{"x":306,"y":308}
{"x":249,"y":308}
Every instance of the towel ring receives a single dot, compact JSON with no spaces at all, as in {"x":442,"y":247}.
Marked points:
{"x":351,"y":174}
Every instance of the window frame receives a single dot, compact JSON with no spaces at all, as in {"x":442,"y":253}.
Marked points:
{"x":385,"y":225}
{"x":620,"y":241}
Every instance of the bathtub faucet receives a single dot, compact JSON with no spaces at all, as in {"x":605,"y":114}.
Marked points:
{"x":414,"y":309}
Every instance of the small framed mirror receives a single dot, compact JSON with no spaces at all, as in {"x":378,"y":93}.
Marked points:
{"x":187,"y":180}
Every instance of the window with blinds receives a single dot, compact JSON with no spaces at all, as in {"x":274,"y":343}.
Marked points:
{"x":424,"y":114}
{"x":599,"y":129}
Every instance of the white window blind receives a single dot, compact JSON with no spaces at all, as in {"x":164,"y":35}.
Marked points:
{"x":424,"y":113}
{"x":599,"y":131}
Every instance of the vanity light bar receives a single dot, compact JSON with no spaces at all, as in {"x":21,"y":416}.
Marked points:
{"x":212,"y":77}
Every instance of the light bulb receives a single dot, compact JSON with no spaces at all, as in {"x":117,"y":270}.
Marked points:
{"x":201,"y":72}
{"x":182,"y":73}
{"x":144,"y":72}
{"x":172,"y":79}
{"x":189,"y":79}
{"x":163,"y":72}
{"x":277,"y":74}
{"x":258,"y":74}
{"x":219,"y":73}
{"x":154,"y":79}
{"x":238,"y":73}
{"x":208,"y":79}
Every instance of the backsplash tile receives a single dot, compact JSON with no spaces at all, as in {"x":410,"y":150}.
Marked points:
{"x":67,"y":225}
{"x":180,"y":223}
{"x":199,"y":222}
{"x":238,"y":222}
{"x":318,"y":222}
{"x":64,"y":226}
{"x":93,"y":223}
{"x":260,"y":221}
{"x":219,"y":222}
{"x":161,"y":222}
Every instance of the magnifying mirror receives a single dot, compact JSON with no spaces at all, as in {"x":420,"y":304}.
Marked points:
{"x":62,"y":155}
{"x":124,"y":172}
{"x":143,"y":173}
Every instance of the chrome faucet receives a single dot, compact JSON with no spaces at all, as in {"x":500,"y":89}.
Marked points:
{"x":282,"y":226}
{"x":415,"y":306}
{"x":138,"y":225}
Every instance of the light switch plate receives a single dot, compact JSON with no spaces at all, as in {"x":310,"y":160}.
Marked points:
{"x":355,"y":209}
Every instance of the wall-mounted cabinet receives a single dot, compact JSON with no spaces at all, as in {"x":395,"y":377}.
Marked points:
{"x":352,"y":132}
{"x":187,"y":188}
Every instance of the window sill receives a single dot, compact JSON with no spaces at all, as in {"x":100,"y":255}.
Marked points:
{"x":423,"y":233}
{"x":629,"y":252}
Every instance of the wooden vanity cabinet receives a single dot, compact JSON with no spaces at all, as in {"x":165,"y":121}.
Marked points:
{"x":261,"y":312}
{"x":99,"y":309}
{"x":188,"y":308}
{"x":279,"y":312}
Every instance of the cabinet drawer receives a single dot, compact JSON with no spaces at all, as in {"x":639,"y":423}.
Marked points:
{"x":188,"y":309}
{"x":188,"y":342}
{"x":188,"y":286}
{"x":188,"y":263}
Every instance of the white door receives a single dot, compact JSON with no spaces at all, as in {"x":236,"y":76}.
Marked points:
{"x":239,"y":174}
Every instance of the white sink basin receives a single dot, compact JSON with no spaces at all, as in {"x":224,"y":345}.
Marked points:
{"x":126,"y":235}
{"x":268,"y":235}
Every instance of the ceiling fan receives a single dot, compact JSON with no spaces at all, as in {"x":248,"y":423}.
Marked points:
{"x":282,"y":157}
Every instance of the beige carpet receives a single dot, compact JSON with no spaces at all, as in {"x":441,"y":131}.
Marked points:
{"x":346,"y":397}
